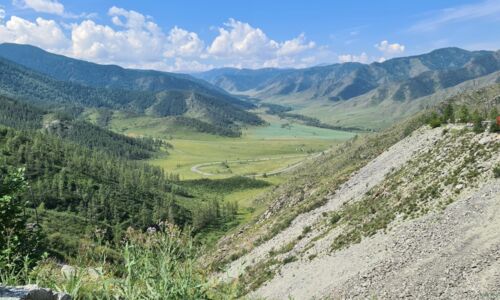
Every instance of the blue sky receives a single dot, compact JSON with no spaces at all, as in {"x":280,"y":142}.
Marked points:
{"x":188,"y":35}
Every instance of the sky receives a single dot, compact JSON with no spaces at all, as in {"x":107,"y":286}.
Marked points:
{"x":198,"y":35}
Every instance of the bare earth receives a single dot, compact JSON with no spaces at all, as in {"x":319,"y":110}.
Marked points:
{"x":448,"y":254}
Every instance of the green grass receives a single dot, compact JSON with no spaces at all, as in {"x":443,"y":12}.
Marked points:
{"x":256,"y":143}
{"x":278,"y":130}
{"x":252,"y":167}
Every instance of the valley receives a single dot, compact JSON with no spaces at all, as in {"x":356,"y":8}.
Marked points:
{"x":281,"y":142}
{"x":250,"y":183}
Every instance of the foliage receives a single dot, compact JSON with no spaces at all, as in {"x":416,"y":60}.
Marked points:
{"x":477,"y":120}
{"x":17,"y":114}
{"x":213,"y":212}
{"x":227,"y":185}
{"x":434,"y":120}
{"x":231,"y":131}
{"x":160,"y":264}
{"x":496,"y":171}
{"x":20,"y":245}
{"x":463,"y":114}
{"x":92,"y":184}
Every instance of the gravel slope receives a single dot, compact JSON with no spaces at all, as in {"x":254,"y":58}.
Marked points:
{"x":449,"y":254}
{"x":369,"y":176}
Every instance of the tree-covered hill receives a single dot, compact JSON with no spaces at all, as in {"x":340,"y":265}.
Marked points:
{"x":20,"y":115}
{"x":109,"y":76}
{"x":210,"y":109}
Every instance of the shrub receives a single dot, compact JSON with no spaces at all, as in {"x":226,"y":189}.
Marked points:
{"x":20,"y":245}
{"x":335,"y":218}
{"x":434,"y":120}
{"x":496,"y":171}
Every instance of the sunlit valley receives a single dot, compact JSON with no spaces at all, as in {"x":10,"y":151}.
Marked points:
{"x":142,"y":160}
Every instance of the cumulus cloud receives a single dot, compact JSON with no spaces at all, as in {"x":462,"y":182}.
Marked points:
{"x":295,"y":46}
{"x":44,"y":6}
{"x":362,"y":58}
{"x":390,"y":49}
{"x":135,"y":40}
{"x":2,"y":14}
{"x":43,"y":33}
{"x":183,"y":43}
{"x":252,"y":47}
{"x":240,"y":39}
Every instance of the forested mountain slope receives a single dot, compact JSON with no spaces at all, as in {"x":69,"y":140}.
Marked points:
{"x":217,"y":110}
{"x":107,"y":76}
{"x":20,"y":115}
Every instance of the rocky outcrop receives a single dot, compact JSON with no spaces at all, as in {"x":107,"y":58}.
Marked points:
{"x":30,"y":292}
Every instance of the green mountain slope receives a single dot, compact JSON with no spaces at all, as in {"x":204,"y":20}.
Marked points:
{"x":108,"y":76}
{"x":360,"y":95}
{"x":20,"y":115}
{"x":216,"y":110}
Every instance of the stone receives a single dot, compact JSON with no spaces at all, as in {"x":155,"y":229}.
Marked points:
{"x":68,"y":271}
{"x":30,"y":292}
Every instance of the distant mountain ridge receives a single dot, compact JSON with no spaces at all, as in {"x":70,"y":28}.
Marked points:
{"x":371,"y":96}
{"x":407,"y":77}
{"x":55,"y":81}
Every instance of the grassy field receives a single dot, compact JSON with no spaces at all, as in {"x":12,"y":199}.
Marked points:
{"x":252,"y":167}
{"x":278,"y":139}
{"x":272,"y":141}
{"x":259,"y":150}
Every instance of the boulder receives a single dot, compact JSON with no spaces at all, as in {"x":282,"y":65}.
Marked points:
{"x":30,"y":292}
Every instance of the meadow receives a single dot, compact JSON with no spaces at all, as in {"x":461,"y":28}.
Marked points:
{"x":260,"y":150}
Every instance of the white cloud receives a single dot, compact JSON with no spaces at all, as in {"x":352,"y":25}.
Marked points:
{"x":43,"y":33}
{"x":135,"y":40}
{"x":2,"y":14}
{"x":295,"y":46}
{"x":131,"y":19}
{"x":104,"y":44}
{"x":482,"y":10}
{"x":390,"y":49}
{"x":362,"y":58}
{"x":44,"y":6}
{"x":241,"y":45}
{"x":240,"y":39}
{"x":183,"y":43}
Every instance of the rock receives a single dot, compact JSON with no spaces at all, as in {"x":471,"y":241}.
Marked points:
{"x":94,"y":273}
{"x":68,"y":271}
{"x":30,"y":292}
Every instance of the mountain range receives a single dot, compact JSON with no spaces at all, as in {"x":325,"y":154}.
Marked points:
{"x":356,"y":94}
{"x":31,"y":74}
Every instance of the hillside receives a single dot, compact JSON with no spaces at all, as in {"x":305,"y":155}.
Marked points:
{"x":23,"y":116}
{"x":106,"y":76}
{"x":382,"y":216}
{"x":224,"y":113}
{"x":354,"y":94}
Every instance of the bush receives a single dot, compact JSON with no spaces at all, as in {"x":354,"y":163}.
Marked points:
{"x":496,"y":171}
{"x":434,"y":120}
{"x":335,"y":218}
{"x":20,"y":245}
